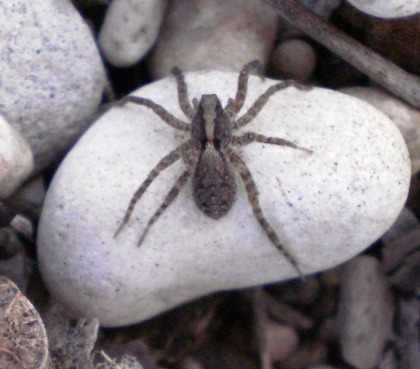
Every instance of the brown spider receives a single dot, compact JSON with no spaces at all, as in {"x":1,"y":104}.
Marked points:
{"x":208,"y":154}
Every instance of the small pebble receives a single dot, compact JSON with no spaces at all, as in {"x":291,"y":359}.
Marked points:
{"x":401,"y":261}
{"x":326,"y":207}
{"x":23,"y":226}
{"x":388,"y":361}
{"x":191,"y":363}
{"x":286,"y":314}
{"x":295,"y":59}
{"x":405,"y":223}
{"x":404,"y":116}
{"x":306,"y":355}
{"x":217,"y":34}
{"x":30,"y":197}
{"x":365,"y":312}
{"x":323,"y":8}
{"x":52,"y":75}
{"x":408,"y":336}
{"x":16,"y":161}
{"x":130,"y":29}
{"x":17,"y":268}
{"x":281,"y":340}
{"x":401,"y":254}
{"x":387,"y":8}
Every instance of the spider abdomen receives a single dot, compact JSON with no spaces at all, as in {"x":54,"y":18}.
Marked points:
{"x":213,"y":182}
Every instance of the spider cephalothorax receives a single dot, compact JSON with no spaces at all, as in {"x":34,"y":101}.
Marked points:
{"x":208,"y":154}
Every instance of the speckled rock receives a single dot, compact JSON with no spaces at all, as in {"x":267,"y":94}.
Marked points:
{"x":51,"y":74}
{"x":403,"y":115}
{"x":215,"y":34}
{"x":387,"y":8}
{"x":16,"y":161}
{"x":326,"y":207}
{"x":130,"y":29}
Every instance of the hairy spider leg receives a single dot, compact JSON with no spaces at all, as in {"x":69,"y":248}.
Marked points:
{"x":170,"y":197}
{"x":235,"y":105}
{"x":167,"y":161}
{"x":262,"y":100}
{"x":158,"y":110}
{"x":252,"y":192}
{"x":184,"y":102}
{"x":249,"y":137}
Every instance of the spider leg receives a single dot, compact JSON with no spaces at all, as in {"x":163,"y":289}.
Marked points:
{"x":158,"y":110}
{"x":262,"y":100}
{"x":183,"y":93}
{"x":234,"y":105}
{"x":167,"y":161}
{"x":252,"y":192}
{"x":170,"y":197}
{"x":249,"y":137}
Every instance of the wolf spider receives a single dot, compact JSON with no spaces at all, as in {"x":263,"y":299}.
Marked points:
{"x":208,"y":154}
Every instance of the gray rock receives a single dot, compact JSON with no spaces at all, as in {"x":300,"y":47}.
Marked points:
{"x":401,"y":254}
{"x":408,"y":336}
{"x":326,"y":207}
{"x":52,"y":75}
{"x":216,"y":34}
{"x":365,"y":312}
{"x":130,"y":29}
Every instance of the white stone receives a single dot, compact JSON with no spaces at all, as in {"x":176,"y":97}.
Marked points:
{"x":403,"y":115}
{"x":326,"y":207}
{"x":217,"y":34}
{"x":52,"y":76}
{"x":16,"y":161}
{"x":387,"y":8}
{"x":130,"y":29}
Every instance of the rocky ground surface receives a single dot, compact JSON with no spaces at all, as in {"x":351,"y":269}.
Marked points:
{"x":201,"y":293}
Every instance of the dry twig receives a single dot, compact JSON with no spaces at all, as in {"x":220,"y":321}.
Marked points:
{"x":382,"y":71}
